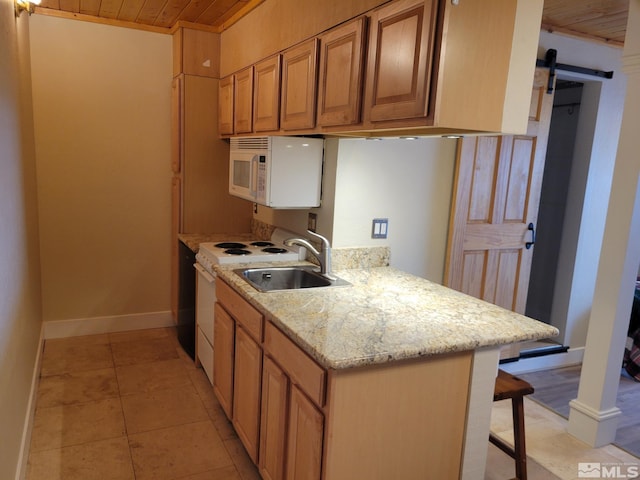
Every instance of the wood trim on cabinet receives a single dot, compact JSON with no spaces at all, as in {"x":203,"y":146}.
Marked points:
{"x":341,"y":74}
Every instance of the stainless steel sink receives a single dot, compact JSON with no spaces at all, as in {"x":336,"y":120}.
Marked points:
{"x":287,"y":278}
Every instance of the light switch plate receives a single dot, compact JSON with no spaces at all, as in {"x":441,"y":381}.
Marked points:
{"x":379,"y":228}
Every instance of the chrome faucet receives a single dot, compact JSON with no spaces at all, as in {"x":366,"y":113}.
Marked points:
{"x":323,"y":256}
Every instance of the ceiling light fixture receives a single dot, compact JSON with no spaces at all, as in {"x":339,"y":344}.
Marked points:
{"x":26,"y":5}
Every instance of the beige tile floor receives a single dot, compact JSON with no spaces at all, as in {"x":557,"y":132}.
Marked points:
{"x":129,"y":406}
{"x":132,"y":405}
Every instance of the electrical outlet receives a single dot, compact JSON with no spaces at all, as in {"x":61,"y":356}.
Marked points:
{"x":379,"y":228}
{"x":311,"y":221}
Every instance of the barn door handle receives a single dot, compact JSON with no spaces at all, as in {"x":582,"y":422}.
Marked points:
{"x":530,"y":244}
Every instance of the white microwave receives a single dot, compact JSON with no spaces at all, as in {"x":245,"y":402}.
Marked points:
{"x":278,"y":172}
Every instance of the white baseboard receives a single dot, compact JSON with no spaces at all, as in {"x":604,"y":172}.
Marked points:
{"x":25,"y":443}
{"x":556,"y":360}
{"x":120,"y":323}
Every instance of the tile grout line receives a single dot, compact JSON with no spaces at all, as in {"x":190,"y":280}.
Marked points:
{"x":124,"y":419}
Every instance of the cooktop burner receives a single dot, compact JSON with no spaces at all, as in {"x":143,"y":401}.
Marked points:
{"x":237,"y":251}
{"x":251,"y":250}
{"x":263,"y":244}
{"x":274,"y":250}
{"x":230,"y":245}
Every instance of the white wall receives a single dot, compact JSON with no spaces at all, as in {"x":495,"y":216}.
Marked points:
{"x":102,"y":99}
{"x":20,"y":307}
{"x":407,"y":181}
{"x":594,"y":158}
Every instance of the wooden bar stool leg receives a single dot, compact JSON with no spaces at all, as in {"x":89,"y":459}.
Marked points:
{"x":520,"y":451}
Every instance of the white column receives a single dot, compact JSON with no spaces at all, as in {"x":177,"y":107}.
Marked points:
{"x":594,"y":416}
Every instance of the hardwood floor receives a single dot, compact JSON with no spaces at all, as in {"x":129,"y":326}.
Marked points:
{"x":555,"y":388}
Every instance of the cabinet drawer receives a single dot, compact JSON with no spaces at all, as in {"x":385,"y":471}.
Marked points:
{"x":240,"y":310}
{"x":205,"y":354}
{"x":302,"y":370}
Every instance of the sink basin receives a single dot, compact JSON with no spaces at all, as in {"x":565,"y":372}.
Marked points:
{"x":287,"y":278}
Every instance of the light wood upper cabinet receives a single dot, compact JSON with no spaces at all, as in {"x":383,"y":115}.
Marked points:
{"x":340,"y":74}
{"x":225,"y":105}
{"x":196,"y":52}
{"x":243,"y":101}
{"x":266,"y":95}
{"x":299,"y":84}
{"x":401,"y":43}
{"x":431,"y":66}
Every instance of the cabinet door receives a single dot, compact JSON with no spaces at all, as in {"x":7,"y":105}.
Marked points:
{"x":199,"y":50}
{"x":266,"y":95}
{"x":273,"y":432}
{"x":304,"y":442}
{"x":225,"y":106}
{"x":299,"y":81}
{"x":243,"y":101}
{"x":399,"y":62}
{"x":223,"y":351}
{"x":246,"y":391}
{"x":340,"y":74}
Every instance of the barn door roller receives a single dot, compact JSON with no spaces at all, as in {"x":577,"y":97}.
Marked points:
{"x":550,"y":63}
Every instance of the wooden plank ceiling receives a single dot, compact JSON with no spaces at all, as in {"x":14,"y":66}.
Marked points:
{"x":213,"y":15}
{"x":598,"y":20}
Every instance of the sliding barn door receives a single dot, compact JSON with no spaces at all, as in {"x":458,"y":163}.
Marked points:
{"x":495,"y":209}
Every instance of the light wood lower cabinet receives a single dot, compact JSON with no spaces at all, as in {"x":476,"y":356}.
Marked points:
{"x":275,"y":395}
{"x":223,"y":351}
{"x":292,"y":429}
{"x":297,"y":420}
{"x":237,"y":364}
{"x":305,"y":438}
{"x":247,"y":388}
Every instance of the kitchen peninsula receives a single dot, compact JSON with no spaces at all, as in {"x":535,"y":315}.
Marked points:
{"x":390,"y":377}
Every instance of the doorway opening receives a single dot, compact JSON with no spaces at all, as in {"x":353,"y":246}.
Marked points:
{"x":552,"y":212}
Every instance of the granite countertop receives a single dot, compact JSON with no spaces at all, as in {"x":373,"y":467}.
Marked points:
{"x":385,"y":315}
